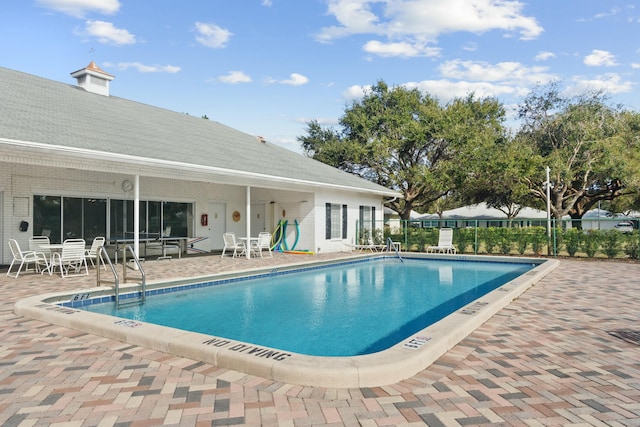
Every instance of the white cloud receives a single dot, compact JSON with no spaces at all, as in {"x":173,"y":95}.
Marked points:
{"x":406,"y":23}
{"x":611,"y":12}
{"x":611,"y":83}
{"x":543,"y":56}
{"x":353,"y":16}
{"x":470,"y":47}
{"x":79,"y":8}
{"x":234,"y":77}
{"x":460,"y":78}
{"x":356,"y":92}
{"x":267,"y":3}
{"x":106,"y":33}
{"x":148,"y":68}
{"x":600,"y":58}
{"x":211,"y":35}
{"x":402,"y":49}
{"x":324,"y":121}
{"x":514,"y":73}
{"x":635,"y":65}
{"x":447,"y":90}
{"x":296,"y":79}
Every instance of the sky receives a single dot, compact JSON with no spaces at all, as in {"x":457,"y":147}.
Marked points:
{"x":269,"y":67}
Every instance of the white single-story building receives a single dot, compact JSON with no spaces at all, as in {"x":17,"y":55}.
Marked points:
{"x":600,"y":219}
{"x":74,"y":160}
{"x":480,"y":215}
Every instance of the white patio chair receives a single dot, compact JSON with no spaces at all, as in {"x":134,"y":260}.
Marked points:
{"x":71,"y":258}
{"x":93,"y":252}
{"x":24,"y":258}
{"x":445,"y":242}
{"x":263,"y":242}
{"x":40,"y":244}
{"x":36,"y":242}
{"x":230,"y":243}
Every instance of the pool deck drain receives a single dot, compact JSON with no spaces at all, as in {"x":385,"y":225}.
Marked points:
{"x":546,"y":359}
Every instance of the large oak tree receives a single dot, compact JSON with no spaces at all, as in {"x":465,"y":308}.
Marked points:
{"x":406,"y":140}
{"x":591,"y":148}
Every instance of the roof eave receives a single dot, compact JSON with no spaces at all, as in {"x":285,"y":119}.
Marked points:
{"x":240,"y":177}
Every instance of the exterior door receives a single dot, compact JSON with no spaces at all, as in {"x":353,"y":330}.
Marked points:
{"x":257,"y":219}
{"x":217,"y":225}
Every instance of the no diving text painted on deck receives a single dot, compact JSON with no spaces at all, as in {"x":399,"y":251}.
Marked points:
{"x":248,"y":349}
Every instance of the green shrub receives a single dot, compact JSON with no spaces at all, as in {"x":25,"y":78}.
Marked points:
{"x":610,"y":243}
{"x":631,"y":245}
{"x":365,"y":237}
{"x":505,"y":239}
{"x":522,"y":240}
{"x":420,"y":238}
{"x":378,"y":236}
{"x":490,"y":238}
{"x":572,"y":239}
{"x":591,"y":242}
{"x":538,"y":236}
{"x":463,"y":238}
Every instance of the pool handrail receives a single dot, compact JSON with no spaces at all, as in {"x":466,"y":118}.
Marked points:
{"x":392,"y":244}
{"x":116,"y":278}
{"x":101,"y":256}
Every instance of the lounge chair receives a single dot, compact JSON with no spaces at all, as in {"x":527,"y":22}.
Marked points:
{"x":370,"y":246}
{"x":94,"y":251}
{"x":71,"y":258}
{"x":263,"y":242}
{"x":230,"y":243}
{"x":445,"y":242}
{"x":25,"y":258}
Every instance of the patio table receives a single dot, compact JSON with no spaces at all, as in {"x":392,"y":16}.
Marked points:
{"x":247,"y":244}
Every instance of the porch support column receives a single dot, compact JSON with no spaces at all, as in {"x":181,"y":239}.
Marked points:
{"x":136,"y":216}
{"x":248,"y":222}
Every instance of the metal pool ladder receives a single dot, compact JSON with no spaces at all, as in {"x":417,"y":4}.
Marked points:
{"x":102,"y":254}
{"x":391,"y":244}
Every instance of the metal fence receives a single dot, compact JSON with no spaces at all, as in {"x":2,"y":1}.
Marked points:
{"x":587,"y":238}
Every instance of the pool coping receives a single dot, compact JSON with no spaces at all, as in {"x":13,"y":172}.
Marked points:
{"x":390,"y":366}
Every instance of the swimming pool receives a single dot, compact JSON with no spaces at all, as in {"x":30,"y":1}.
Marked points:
{"x":402,"y":360}
{"x":350,"y":309}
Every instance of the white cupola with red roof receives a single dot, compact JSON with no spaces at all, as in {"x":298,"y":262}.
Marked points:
{"x":93,"y":79}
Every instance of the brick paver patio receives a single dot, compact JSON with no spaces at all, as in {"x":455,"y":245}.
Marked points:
{"x":548,"y":359}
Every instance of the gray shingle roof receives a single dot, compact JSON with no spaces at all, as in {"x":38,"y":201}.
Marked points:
{"x":38,"y":110}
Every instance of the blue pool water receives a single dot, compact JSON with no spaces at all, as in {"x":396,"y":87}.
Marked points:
{"x":346,"y":310}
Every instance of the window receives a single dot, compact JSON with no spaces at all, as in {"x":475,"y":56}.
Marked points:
{"x":155,"y":217}
{"x":47,"y":217}
{"x":178,"y":217}
{"x":121,"y":218}
{"x":336,"y":221}
{"x":367,"y":224}
{"x":62,"y":218}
